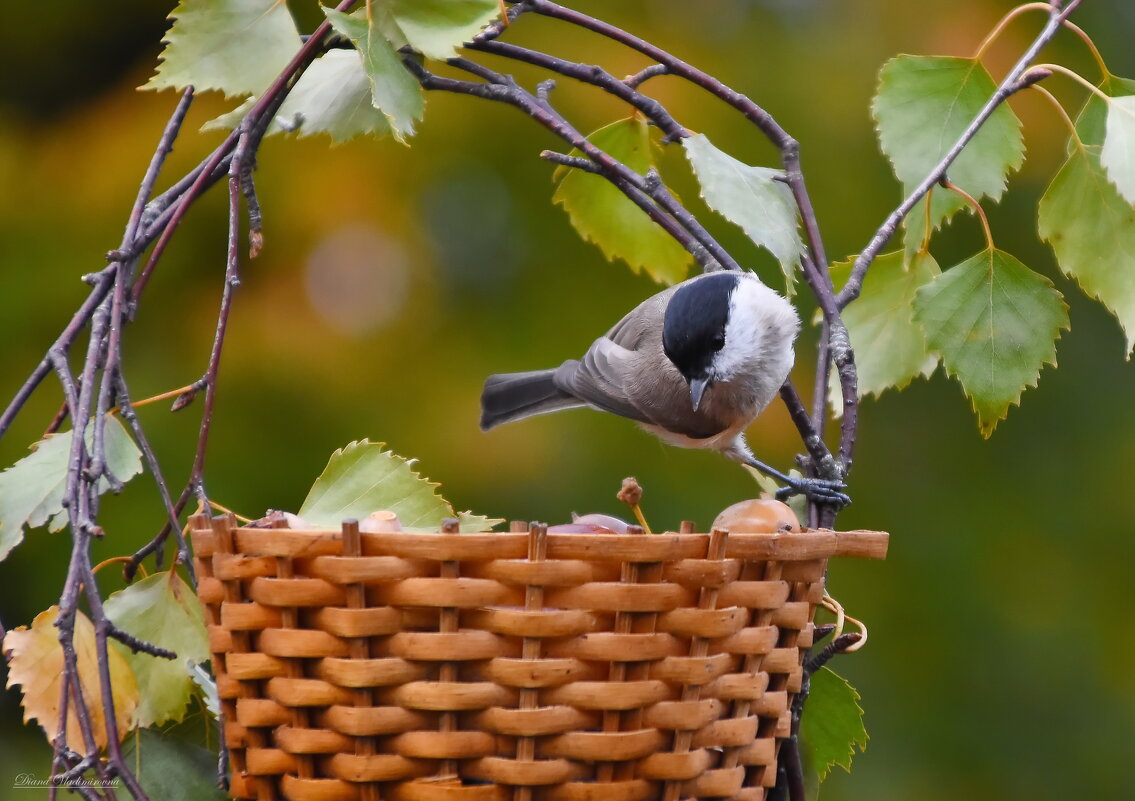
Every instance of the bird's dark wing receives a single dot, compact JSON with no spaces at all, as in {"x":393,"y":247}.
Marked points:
{"x":660,"y":398}
{"x":631,"y":356}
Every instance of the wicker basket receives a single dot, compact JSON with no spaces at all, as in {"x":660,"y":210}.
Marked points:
{"x":532,"y":665}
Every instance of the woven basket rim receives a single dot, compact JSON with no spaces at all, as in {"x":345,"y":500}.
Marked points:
{"x":661,"y":546}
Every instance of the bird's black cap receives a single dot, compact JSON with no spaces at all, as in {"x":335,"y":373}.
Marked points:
{"x":693,"y":328}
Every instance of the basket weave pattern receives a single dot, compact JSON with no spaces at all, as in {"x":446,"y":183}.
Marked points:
{"x":527,"y":665}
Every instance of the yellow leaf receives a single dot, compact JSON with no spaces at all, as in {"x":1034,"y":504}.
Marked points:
{"x":36,"y":664}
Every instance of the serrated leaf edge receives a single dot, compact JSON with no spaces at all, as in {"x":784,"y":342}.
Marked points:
{"x":966,"y":207}
{"x":988,"y":427}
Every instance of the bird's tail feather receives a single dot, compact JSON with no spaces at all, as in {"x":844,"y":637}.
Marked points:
{"x":514,"y":396}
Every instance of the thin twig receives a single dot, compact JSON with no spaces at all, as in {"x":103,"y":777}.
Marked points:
{"x":171,"y":525}
{"x":710,"y":254}
{"x":790,"y":769}
{"x":102,"y":281}
{"x":71,"y":690}
{"x":591,"y":74}
{"x":178,"y":210}
{"x":138,"y":646}
{"x":115,"y":758}
{"x":835,"y":647}
{"x":644,"y":75}
{"x":232,"y":281}
{"x":165,"y":146}
{"x":131,"y":418}
{"x":503,"y":89}
{"x":210,"y":171}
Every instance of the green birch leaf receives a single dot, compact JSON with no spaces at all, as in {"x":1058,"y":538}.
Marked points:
{"x":995,"y":323}
{"x":923,"y":104}
{"x":31,"y":490}
{"x":750,"y":197}
{"x":890,"y":349}
{"x":173,"y":770}
{"x":394,"y":91}
{"x":1118,"y":153}
{"x":235,"y":46}
{"x":363,"y":477}
{"x":470,"y":522}
{"x":1090,"y":226}
{"x":230,"y":119}
{"x":163,"y":610}
{"x":602,"y":214}
{"x":833,"y":727}
{"x":1091,"y":124}
{"x":435,"y":28}
{"x":333,"y":96}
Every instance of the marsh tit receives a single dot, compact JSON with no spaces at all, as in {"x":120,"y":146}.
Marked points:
{"x":694,"y":364}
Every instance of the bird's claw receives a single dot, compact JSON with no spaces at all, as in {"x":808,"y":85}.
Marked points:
{"x":819,"y":490}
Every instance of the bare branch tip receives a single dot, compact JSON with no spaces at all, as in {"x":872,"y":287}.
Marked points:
{"x":544,"y":88}
{"x":1032,"y":76}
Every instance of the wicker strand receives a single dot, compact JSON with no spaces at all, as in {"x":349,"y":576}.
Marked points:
{"x":204,"y":569}
{"x":289,"y":619}
{"x":751,"y":664}
{"x":641,"y":623}
{"x":531,"y":648}
{"x":779,"y":682}
{"x":612,"y":719}
{"x":699,"y":647}
{"x":448,"y":622}
{"x":224,"y":528}
{"x":359,"y":648}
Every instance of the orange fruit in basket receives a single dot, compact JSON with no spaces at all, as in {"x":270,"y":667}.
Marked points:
{"x":757,"y":516}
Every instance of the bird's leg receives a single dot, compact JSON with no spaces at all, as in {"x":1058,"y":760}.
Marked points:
{"x":820,"y":490}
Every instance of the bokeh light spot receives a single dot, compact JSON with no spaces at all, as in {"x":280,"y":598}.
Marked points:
{"x":358,"y":279}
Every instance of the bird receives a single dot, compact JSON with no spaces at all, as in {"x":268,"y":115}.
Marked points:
{"x":694,"y":364}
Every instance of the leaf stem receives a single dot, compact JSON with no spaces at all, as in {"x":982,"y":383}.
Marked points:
{"x":1077,"y":77}
{"x":926,"y":225}
{"x":978,"y":210}
{"x":1095,"y":51}
{"x":227,"y":511}
{"x":111,"y":561}
{"x":173,"y":393}
{"x":1071,"y":125}
{"x":999,"y":28}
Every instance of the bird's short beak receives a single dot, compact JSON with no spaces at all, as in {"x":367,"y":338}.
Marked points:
{"x":697,"y":389}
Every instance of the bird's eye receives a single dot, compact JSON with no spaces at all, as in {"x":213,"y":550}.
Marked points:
{"x":718,"y":342}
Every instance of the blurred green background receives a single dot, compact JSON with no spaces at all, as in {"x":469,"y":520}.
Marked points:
{"x":393,"y":280}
